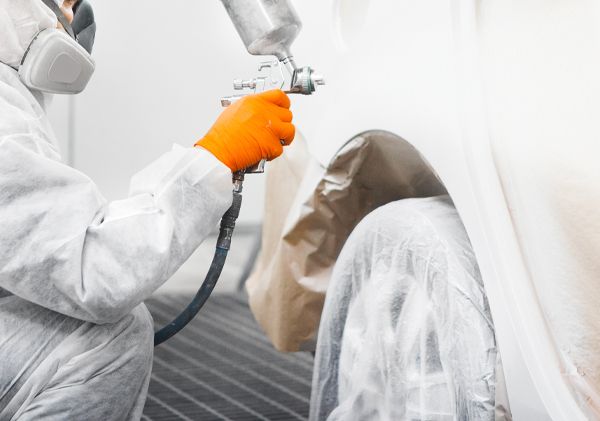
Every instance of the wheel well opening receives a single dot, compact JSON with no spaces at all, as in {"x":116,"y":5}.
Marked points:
{"x":378,"y":167}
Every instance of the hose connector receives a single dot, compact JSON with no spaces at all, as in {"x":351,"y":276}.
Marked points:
{"x":232,"y":214}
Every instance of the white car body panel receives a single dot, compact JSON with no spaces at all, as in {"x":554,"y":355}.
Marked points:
{"x":419,"y":69}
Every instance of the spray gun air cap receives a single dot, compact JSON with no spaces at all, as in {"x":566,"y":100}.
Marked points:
{"x":305,"y":81}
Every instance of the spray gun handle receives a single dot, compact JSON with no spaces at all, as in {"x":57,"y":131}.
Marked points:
{"x":226,"y":101}
{"x":304,"y":81}
{"x":258,"y":168}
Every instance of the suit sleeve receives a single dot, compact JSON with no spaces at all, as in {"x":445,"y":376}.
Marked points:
{"x":66,"y":248}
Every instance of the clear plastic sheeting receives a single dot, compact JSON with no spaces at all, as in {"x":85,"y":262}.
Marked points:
{"x":406,"y":332}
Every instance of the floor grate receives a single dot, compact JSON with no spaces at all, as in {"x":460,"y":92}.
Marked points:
{"x":222,"y":367}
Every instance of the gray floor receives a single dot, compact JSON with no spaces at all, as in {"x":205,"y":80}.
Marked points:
{"x":221,"y":366}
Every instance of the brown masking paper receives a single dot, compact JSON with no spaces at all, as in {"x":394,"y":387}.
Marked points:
{"x":309,"y":213}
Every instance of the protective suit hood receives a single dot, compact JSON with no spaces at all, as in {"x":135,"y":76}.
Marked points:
{"x":20,"y":21}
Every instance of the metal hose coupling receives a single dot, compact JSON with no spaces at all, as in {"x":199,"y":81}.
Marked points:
{"x":232,"y":214}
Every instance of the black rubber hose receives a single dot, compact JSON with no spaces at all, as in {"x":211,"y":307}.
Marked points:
{"x":201,"y":296}
{"x":223,"y":245}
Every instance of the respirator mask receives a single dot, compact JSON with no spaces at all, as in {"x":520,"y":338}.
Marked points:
{"x":58,"y":62}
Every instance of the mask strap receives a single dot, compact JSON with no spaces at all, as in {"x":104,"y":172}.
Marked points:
{"x":61,"y":17}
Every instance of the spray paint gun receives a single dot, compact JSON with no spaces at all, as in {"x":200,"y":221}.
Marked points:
{"x":267,"y":27}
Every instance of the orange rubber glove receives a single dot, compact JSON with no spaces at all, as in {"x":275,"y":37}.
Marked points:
{"x":251,"y":129}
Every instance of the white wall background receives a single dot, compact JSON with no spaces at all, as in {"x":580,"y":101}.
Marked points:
{"x":161,"y":70}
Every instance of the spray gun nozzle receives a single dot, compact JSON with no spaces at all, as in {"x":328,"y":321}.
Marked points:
{"x":318,"y":79}
{"x":305,"y":81}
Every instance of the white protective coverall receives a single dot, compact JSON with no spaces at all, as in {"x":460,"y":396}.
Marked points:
{"x":76,"y":341}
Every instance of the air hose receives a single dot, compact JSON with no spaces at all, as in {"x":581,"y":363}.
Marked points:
{"x":214,"y":272}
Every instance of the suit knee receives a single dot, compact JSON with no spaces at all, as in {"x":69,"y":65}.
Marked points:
{"x":136,"y":337}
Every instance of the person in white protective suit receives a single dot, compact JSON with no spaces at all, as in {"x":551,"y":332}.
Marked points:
{"x":76,"y":341}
